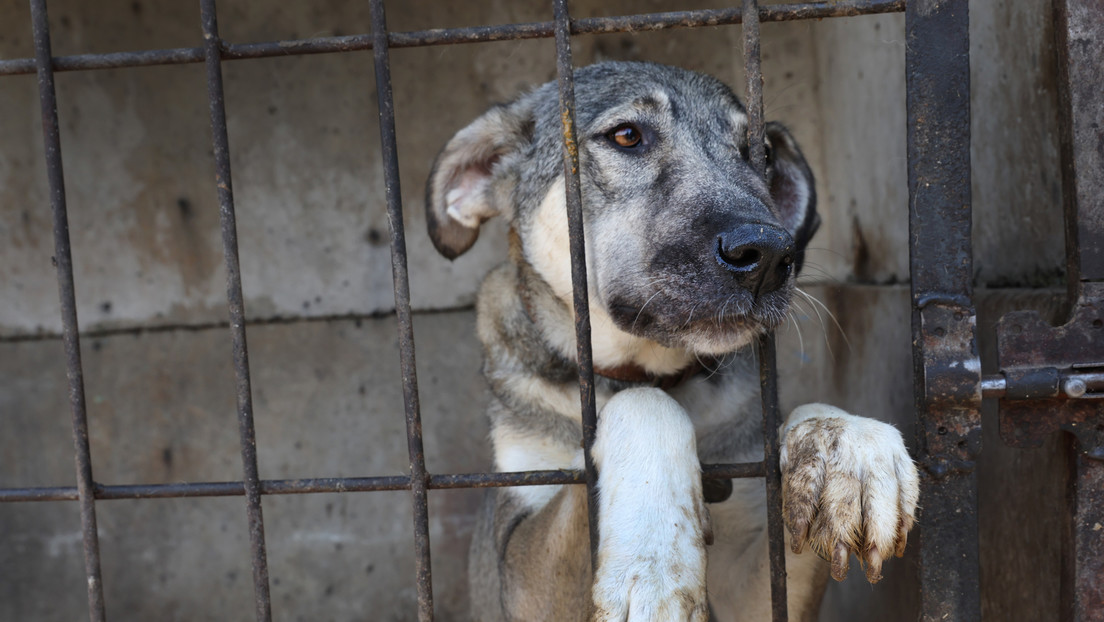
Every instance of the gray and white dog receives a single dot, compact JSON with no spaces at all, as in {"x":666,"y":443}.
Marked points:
{"x":690,"y":255}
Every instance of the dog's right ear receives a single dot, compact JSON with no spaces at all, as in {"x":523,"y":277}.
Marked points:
{"x":459,"y":194}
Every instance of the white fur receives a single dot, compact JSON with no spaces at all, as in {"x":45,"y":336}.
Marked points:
{"x":652,"y":520}
{"x":517,"y":451}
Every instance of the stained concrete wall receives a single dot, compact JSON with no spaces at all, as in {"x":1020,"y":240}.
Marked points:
{"x":315,"y":262}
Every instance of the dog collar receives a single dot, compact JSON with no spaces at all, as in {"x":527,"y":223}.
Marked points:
{"x":631,"y":372}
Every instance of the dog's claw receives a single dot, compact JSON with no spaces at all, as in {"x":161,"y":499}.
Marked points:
{"x":902,"y":534}
{"x":799,"y":531}
{"x":840,"y":561}
{"x":873,"y":565}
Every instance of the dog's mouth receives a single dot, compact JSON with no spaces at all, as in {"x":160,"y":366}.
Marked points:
{"x":712,"y":326}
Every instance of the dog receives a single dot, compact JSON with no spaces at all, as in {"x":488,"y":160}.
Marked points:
{"x":690,"y":256}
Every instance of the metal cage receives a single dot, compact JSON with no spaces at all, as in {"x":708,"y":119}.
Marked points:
{"x":948,"y":388}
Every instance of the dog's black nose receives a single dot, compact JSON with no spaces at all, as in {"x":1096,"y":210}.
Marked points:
{"x":761,"y":256}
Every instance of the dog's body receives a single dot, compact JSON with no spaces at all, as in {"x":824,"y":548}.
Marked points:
{"x":690,"y":255}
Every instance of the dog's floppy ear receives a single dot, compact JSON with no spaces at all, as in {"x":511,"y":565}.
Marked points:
{"x":792,"y":188}
{"x":459,"y":193}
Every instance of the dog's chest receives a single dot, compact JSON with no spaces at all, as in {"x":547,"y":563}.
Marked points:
{"x":712,"y":401}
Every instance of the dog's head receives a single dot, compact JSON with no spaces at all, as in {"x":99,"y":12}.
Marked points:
{"x":686,"y":245}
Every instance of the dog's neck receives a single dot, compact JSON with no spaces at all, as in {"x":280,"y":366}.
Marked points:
{"x":618,"y":355}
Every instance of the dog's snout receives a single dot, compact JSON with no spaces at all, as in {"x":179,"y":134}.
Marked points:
{"x":761,"y":256}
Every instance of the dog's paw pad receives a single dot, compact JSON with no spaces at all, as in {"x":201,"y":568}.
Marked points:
{"x":848,"y":487}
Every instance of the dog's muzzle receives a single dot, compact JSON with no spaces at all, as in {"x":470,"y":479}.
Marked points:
{"x":760,"y":256}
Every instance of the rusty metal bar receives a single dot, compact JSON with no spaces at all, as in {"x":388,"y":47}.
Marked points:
{"x":1082,"y":588}
{"x":1079,"y":34}
{"x":63,"y":261}
{"x":389,"y":149}
{"x":1076,"y":384}
{"x":947,"y":372}
{"x":437,"y":481}
{"x":565,"y":76}
{"x":450,"y":36}
{"x":765,"y":345}
{"x":236,"y":304}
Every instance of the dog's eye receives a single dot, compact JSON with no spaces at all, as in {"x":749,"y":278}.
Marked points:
{"x":625,"y":135}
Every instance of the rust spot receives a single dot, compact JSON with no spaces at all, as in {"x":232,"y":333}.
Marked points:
{"x":568,"y":136}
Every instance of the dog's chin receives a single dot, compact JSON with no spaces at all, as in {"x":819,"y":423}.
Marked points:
{"x":707,"y":336}
{"x":718,"y":340}
{"x":711,"y":337}
{"x":714,"y":327}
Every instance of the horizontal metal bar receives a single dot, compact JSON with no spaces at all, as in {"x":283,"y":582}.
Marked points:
{"x":450,"y":481}
{"x":452,"y":36}
{"x":1073,"y":385}
{"x":993,"y":386}
{"x":738,"y":470}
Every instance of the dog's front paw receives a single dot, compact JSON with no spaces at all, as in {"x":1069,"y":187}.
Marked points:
{"x":653,"y":524}
{"x":848,"y":486}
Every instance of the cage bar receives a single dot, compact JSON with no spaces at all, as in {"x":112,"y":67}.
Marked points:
{"x":63,"y":261}
{"x":437,"y":481}
{"x":566,"y":79}
{"x":236,"y":303}
{"x":946,"y":370}
{"x":449,"y":36}
{"x":411,"y":406}
{"x":765,"y":345}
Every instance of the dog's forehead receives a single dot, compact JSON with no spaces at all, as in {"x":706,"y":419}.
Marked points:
{"x":609,"y":89}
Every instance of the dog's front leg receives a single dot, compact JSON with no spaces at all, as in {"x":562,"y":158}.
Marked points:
{"x":653,"y":524}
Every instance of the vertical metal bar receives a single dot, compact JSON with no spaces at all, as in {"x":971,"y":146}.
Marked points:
{"x":765,"y":346}
{"x":772,"y":420}
{"x":236,"y":303}
{"x":418,"y":477}
{"x":753,"y":70}
{"x":947,"y":373}
{"x":1082,"y":596}
{"x":63,"y":261}
{"x":565,"y":76}
{"x":1079,"y":34}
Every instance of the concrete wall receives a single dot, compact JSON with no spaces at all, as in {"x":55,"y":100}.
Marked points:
{"x":315,"y":261}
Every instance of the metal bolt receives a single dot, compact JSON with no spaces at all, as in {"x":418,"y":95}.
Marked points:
{"x":1074,"y":387}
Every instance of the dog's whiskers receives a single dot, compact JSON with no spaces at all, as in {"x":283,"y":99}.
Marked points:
{"x":800,"y":339}
{"x":809,"y":307}
{"x":814,"y":300}
{"x":638,"y":313}
{"x":690,"y":319}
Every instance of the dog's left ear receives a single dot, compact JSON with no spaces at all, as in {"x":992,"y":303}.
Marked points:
{"x":460,"y":193}
{"x":792,"y":188}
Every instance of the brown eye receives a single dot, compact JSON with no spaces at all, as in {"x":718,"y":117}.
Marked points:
{"x":625,"y":136}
